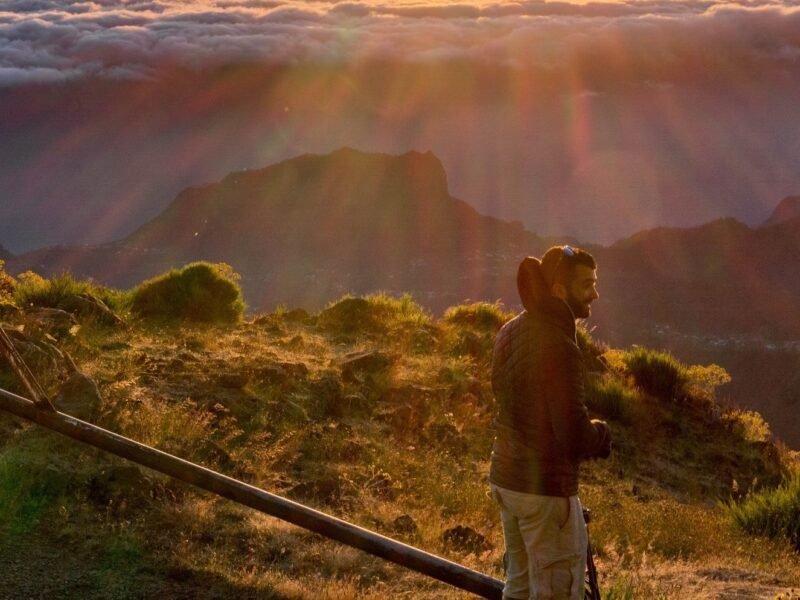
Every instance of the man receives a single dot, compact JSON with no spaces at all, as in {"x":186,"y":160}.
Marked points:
{"x":543,"y":428}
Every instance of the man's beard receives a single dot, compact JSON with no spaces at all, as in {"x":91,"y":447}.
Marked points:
{"x":581,"y":310}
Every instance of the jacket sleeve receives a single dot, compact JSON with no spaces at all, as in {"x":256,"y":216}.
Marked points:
{"x":574,"y":431}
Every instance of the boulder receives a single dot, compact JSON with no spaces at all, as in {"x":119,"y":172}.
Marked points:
{"x":270,"y":375}
{"x":88,"y":306}
{"x":121,"y":485}
{"x":465,"y":540}
{"x":79,"y":397}
{"x":404,"y":524}
{"x":54,"y":320}
{"x":233,"y":380}
{"x":9,"y":312}
{"x":356,"y":364}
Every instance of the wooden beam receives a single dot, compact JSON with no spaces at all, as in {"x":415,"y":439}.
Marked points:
{"x":248,"y":495}
{"x":9,"y":352}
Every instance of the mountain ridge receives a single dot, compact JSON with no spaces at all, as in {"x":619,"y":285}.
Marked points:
{"x":787,"y":210}
{"x":306,"y":230}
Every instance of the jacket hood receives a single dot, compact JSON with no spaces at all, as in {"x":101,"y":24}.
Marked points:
{"x":536,"y":297}
{"x":531,"y":285}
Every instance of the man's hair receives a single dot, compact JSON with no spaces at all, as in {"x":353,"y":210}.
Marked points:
{"x":559,"y":262}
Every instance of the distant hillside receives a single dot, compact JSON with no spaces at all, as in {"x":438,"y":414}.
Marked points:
{"x":787,"y":210}
{"x":306,"y":230}
{"x":722,"y":278}
{"x":5,"y":254}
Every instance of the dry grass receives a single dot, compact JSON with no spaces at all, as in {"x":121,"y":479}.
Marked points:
{"x":413,"y":439}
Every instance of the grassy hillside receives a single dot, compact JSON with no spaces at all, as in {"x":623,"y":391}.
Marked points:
{"x":377,"y":412}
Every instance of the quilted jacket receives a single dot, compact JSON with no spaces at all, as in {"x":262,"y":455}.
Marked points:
{"x":543,"y":429}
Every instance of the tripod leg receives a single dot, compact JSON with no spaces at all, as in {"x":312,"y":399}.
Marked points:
{"x":592,"y":589}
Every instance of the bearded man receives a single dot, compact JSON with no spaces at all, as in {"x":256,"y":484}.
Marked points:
{"x":543,"y":429}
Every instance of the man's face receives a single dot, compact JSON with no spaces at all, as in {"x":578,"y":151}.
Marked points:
{"x":582,"y":291}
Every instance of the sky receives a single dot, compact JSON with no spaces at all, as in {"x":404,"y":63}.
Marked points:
{"x":592,"y":119}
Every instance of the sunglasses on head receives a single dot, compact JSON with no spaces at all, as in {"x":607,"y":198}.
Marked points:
{"x":565,"y":251}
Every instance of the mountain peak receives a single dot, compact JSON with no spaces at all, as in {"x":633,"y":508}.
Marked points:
{"x":787,"y":210}
{"x":5,"y":254}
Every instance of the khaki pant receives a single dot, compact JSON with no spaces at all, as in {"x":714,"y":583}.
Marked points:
{"x":546,"y":544}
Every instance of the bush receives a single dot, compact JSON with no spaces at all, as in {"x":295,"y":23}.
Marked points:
{"x":657,"y":373}
{"x":749,"y":425}
{"x":7,"y":283}
{"x":201,"y":292}
{"x":773,"y":513}
{"x":479,"y":315}
{"x":611,"y":398}
{"x":375,"y":313}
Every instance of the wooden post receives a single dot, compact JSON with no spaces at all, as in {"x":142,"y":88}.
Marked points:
{"x":9,"y":352}
{"x":248,"y":495}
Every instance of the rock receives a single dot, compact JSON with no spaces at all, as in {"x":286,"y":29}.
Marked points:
{"x":404,"y":524}
{"x":382,"y":485}
{"x":297,"y":315}
{"x":79,"y":397}
{"x":446,"y":433}
{"x":233,"y":380}
{"x":271,"y":375}
{"x":9,"y":312}
{"x":56,"y":321}
{"x":465,"y":539}
{"x":326,"y":489}
{"x":328,"y":394}
{"x":121,"y":484}
{"x":351,"y":317}
{"x":88,"y":306}
{"x":115,"y":345}
{"x":356,"y":363}
{"x":295,"y":370}
{"x":356,"y":402}
{"x":43,"y":359}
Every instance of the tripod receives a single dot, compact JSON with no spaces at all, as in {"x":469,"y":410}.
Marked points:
{"x":591,"y":588}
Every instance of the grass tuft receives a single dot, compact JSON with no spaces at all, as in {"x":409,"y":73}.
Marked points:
{"x":373,"y":314}
{"x":773,"y":513}
{"x":657,"y":373}
{"x":608,"y":396}
{"x":484,"y":316}
{"x":34,"y":290}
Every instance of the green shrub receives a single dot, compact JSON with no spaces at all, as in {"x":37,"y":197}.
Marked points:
{"x":7,"y":283}
{"x":201,"y":292}
{"x":773,"y":513}
{"x":375,"y":313}
{"x":608,"y":396}
{"x":469,"y":329}
{"x":749,"y":425}
{"x":34,"y":290}
{"x":657,"y":373}
{"x":479,"y":315}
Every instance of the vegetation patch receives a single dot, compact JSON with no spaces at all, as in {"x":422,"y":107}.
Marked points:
{"x":774,"y":513}
{"x":657,"y":373}
{"x":59,"y":291}
{"x":374,"y":313}
{"x":609,"y":397}
{"x":7,"y":284}
{"x":484,"y":316}
{"x":200,"y":292}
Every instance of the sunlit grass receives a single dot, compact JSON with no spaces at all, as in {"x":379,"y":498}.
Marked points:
{"x":266,"y":402}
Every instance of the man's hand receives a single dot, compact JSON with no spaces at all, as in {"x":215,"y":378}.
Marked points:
{"x":604,"y":441}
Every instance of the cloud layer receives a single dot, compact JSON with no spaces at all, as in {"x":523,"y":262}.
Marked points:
{"x":645,"y":40}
